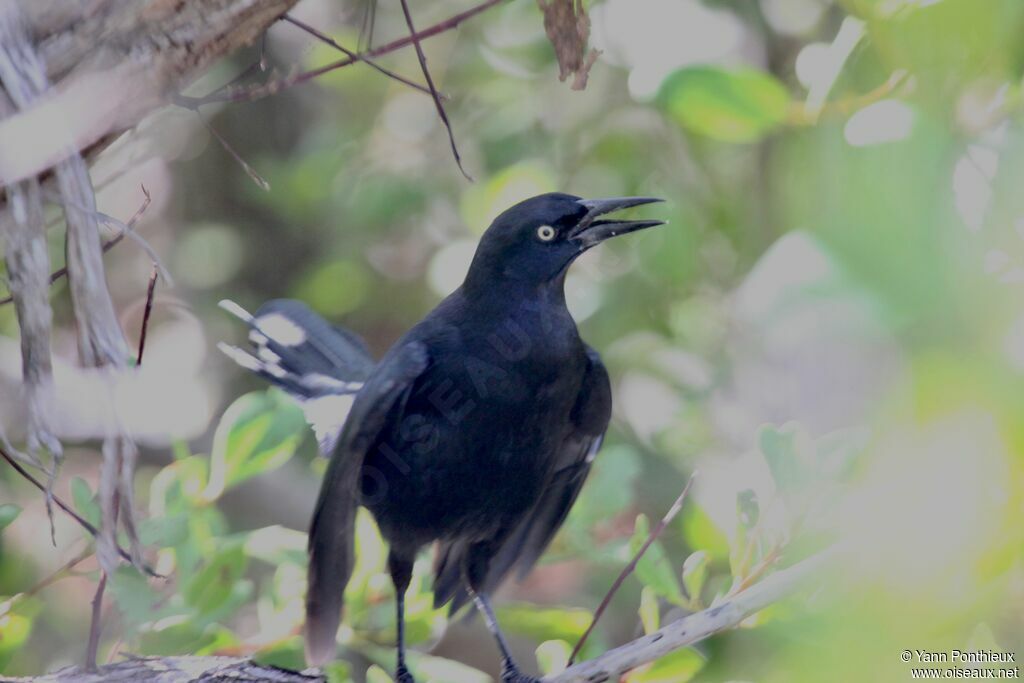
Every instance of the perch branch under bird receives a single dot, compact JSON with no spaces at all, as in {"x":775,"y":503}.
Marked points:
{"x":606,"y":668}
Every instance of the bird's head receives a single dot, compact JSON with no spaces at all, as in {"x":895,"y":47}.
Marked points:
{"x":535,"y":241}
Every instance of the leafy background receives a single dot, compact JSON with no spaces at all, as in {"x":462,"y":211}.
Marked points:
{"x":830,"y":330}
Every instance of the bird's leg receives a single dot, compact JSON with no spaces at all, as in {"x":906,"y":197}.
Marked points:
{"x":510,"y":673}
{"x":401,"y":574}
{"x":475,"y":569}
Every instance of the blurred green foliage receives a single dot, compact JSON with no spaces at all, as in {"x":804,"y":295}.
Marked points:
{"x":830,"y":328}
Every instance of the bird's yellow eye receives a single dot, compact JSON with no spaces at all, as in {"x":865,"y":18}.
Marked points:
{"x":546,"y":233}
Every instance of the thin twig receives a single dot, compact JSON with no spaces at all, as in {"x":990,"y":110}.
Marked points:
{"x":116,"y":647}
{"x":349,"y":53}
{"x":694,"y":628}
{"x":122,"y":228}
{"x":369,"y":22}
{"x":107,"y":246}
{"x":273,"y":87}
{"x":84,"y":523}
{"x":96,"y":619}
{"x":95,"y":624}
{"x":260,"y":181}
{"x":55,"y":576}
{"x":150,"y":291}
{"x":651,"y":538}
{"x":757,"y":572}
{"x":433,"y":90}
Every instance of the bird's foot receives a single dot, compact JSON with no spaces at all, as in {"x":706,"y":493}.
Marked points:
{"x":510,"y":673}
{"x":402,"y":675}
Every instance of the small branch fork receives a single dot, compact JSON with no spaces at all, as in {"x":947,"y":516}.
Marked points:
{"x":629,"y":568}
{"x":232,"y":93}
{"x":96,"y":620}
{"x":257,"y":92}
{"x":107,"y":246}
{"x":433,"y":90}
{"x":352,"y":55}
{"x":84,"y":523}
{"x":694,"y":628}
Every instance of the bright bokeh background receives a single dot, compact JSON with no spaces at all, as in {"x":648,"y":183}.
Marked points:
{"x":831,"y":330}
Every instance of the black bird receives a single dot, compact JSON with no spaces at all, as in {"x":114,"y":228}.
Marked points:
{"x":476,"y":430}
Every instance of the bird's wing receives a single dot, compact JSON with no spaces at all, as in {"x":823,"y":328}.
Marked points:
{"x":527,"y":542}
{"x":318,"y":365}
{"x":331,"y":532}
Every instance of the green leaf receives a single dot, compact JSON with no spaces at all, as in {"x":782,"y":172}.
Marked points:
{"x":164,"y":532}
{"x":284,"y":655}
{"x":553,"y":656}
{"x":747,"y":509}
{"x":335,"y":672}
{"x":259,"y":432}
{"x":701,"y":532}
{"x":785,"y":451}
{"x":732,"y":105}
{"x":212,"y":586}
{"x":677,"y":667}
{"x":654,"y":569}
{"x":134,"y":596}
{"x":8,"y":513}
{"x":544,"y":623}
{"x":276,"y":545}
{"x":430,"y":669}
{"x":608,"y":492}
{"x":375,"y":674}
{"x":650,"y":611}
{"x":695,"y":573}
{"x":14,"y":631}
{"x":84,"y":501}
{"x":185,"y":637}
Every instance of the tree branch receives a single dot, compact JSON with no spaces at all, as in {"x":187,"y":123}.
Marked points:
{"x":433,"y":90}
{"x":319,"y":35}
{"x":178,"y":670}
{"x":696,"y":627}
{"x":257,"y":92}
{"x":84,"y":523}
{"x":107,"y":246}
{"x":629,"y":568}
{"x":112,"y":67}
{"x":607,"y":668}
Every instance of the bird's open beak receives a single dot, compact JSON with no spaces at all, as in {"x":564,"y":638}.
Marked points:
{"x":591,"y":230}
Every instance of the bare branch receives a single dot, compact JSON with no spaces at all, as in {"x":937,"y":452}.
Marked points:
{"x":258,"y":92}
{"x":629,"y":568}
{"x":84,"y":523}
{"x":433,"y":90}
{"x":260,"y":181}
{"x":112,"y":71}
{"x":107,"y":246}
{"x":150,"y":291}
{"x":608,"y":667}
{"x":362,"y":58}
{"x":696,"y":627}
{"x":180,"y":670}
{"x":28,"y":261}
{"x":62,"y":572}
{"x":93,"y":645}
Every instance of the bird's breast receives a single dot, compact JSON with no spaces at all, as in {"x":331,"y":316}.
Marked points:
{"x":477,"y":439}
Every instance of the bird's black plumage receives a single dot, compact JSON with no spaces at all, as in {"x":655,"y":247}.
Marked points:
{"x":476,"y":430}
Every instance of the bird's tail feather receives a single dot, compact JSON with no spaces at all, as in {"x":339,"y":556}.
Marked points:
{"x":331,"y":557}
{"x":320,"y":366}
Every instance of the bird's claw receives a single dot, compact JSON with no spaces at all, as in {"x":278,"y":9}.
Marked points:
{"x":511,"y":674}
{"x":402,"y":675}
